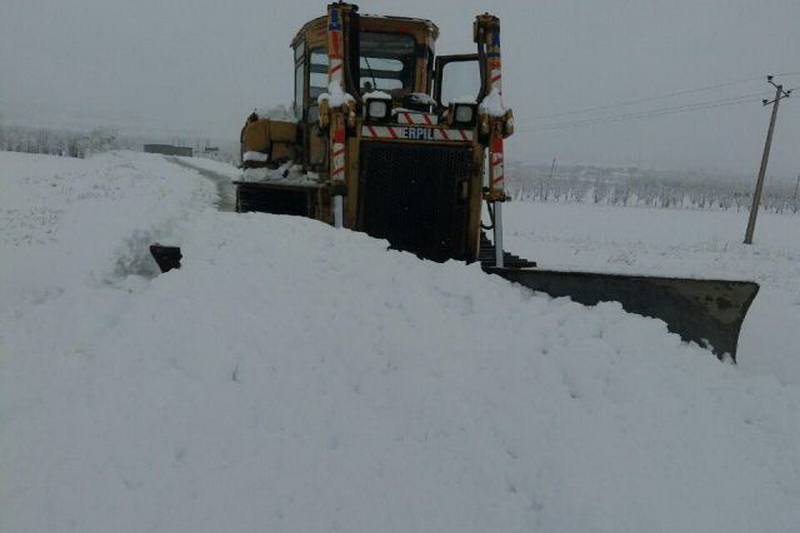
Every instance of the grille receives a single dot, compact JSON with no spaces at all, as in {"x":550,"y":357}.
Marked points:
{"x":413,"y":196}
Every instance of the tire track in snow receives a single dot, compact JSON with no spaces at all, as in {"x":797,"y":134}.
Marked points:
{"x":227,"y":193}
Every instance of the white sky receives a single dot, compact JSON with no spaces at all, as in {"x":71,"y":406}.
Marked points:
{"x":199,"y":66}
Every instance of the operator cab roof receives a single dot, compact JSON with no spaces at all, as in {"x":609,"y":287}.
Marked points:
{"x":423,"y":30}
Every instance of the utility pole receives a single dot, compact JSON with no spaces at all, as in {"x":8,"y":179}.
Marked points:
{"x":751,"y":223}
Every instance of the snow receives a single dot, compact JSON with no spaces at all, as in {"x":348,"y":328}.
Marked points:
{"x":214,"y":166}
{"x":377,"y":94}
{"x":679,"y":243}
{"x":255,"y":156}
{"x":425,"y":99}
{"x":287,"y":173}
{"x":335,"y":96}
{"x":282,"y":113}
{"x":493,"y":103}
{"x":292,"y":377}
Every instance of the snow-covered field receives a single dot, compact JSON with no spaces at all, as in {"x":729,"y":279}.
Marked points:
{"x":291,"y":377}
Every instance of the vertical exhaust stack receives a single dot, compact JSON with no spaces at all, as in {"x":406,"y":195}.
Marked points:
{"x":495,"y":121}
{"x":338,"y":15}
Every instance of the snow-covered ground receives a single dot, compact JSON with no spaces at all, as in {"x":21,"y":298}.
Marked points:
{"x":683,"y":243}
{"x":291,"y":377}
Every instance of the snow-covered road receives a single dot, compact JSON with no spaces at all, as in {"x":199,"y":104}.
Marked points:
{"x":291,"y":377}
{"x":220,"y":174}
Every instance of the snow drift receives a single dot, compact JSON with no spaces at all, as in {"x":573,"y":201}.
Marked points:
{"x":291,"y":377}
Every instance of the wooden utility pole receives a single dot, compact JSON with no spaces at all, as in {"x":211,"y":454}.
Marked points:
{"x":751,"y":223}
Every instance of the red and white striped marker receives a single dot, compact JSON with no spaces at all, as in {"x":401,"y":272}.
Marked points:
{"x":335,"y":79}
{"x":406,"y":117}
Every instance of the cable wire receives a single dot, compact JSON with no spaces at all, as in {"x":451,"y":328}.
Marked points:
{"x":709,"y":104}
{"x":648,"y":99}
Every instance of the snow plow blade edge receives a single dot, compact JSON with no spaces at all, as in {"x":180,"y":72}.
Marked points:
{"x":708,"y":312}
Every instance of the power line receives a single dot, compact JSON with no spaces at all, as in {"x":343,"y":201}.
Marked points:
{"x":626,"y":118}
{"x":648,"y":99}
{"x":708,"y":104}
{"x":659,"y":97}
{"x":636,"y":116}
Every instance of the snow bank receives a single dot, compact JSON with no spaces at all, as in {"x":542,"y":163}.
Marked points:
{"x":291,"y":377}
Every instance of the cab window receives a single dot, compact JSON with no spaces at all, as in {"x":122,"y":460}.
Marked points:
{"x":299,"y":78}
{"x":386,"y":61}
{"x":318,"y":74}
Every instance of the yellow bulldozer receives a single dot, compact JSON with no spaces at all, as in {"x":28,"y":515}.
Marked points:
{"x":389,"y":139}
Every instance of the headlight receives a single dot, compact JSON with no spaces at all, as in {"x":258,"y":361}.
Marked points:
{"x":378,"y":109}
{"x":464,"y":114}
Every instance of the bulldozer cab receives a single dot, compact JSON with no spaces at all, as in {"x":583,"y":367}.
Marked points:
{"x":389,"y":54}
{"x":395,"y":55}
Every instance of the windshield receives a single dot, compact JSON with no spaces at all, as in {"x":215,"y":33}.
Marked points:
{"x":460,"y":80}
{"x":387,"y":61}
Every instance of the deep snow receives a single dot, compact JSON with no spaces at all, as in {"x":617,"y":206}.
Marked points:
{"x":291,"y":377}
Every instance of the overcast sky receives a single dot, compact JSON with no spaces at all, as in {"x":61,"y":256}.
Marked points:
{"x":199,"y":66}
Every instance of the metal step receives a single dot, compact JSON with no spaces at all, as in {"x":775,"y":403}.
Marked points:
{"x":487,"y":258}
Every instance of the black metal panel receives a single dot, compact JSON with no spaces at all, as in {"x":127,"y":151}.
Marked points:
{"x":708,"y":312}
{"x":277,"y":200}
{"x":167,"y":257}
{"x":413,"y":195}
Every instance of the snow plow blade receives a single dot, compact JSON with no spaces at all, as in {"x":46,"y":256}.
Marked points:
{"x":708,"y":312}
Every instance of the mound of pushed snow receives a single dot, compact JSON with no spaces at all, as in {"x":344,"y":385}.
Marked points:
{"x":295,"y":377}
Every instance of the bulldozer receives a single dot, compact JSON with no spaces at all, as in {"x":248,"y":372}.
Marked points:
{"x":385,"y":137}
